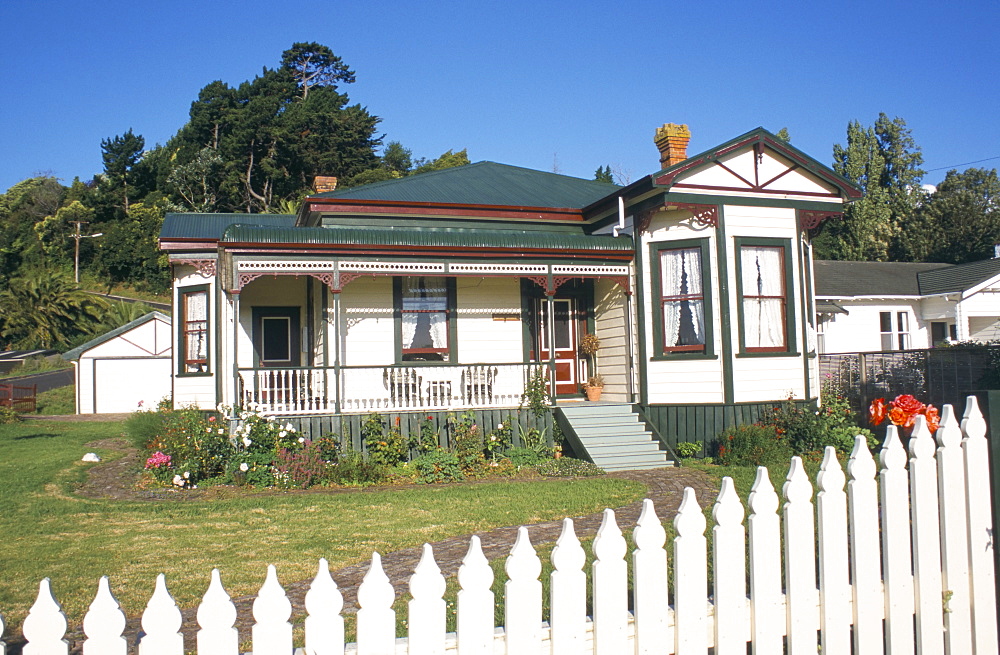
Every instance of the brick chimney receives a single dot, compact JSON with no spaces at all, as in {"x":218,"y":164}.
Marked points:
{"x":672,"y":140}
{"x":322,"y":184}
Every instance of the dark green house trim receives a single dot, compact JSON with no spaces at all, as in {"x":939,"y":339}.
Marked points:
{"x":790,"y":307}
{"x":397,"y":322}
{"x":210,"y":315}
{"x":655,"y":249}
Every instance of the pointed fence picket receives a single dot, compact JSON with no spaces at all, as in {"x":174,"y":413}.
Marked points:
{"x":930,"y":576}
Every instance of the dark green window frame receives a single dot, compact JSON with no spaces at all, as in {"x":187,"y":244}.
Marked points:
{"x":659,"y":350}
{"x":397,"y":301}
{"x":791,"y":345}
{"x":184,"y":331}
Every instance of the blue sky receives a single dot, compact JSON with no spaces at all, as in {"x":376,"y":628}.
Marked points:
{"x":566,"y":86}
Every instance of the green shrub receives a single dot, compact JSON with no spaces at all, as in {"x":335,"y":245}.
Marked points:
{"x":352,"y":469}
{"x":500,"y":440}
{"x":809,"y":431}
{"x":438,"y":466}
{"x":384,"y":448}
{"x":687,"y":448}
{"x":567,"y":466}
{"x":142,"y":427}
{"x":8,"y":415}
{"x":752,"y":445}
{"x":198,"y":445}
{"x":302,"y":468}
{"x":251,"y":468}
{"x":467,"y":441}
{"x":522,"y":457}
{"x":427,"y":439}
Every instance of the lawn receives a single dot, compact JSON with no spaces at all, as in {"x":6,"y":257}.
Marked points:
{"x":49,"y":531}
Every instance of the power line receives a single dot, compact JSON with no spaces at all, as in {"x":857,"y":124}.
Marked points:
{"x":965,"y":164}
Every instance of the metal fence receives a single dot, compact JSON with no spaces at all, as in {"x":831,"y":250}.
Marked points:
{"x":937,"y":375}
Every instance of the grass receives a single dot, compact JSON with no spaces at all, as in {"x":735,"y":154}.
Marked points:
{"x":56,"y":401}
{"x":50,"y":532}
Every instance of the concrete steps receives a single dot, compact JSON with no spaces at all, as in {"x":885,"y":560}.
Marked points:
{"x":614,"y":437}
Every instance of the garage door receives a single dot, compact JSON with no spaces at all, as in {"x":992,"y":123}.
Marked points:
{"x":120,"y":384}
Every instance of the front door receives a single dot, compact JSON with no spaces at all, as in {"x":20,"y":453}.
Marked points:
{"x":276,"y":336}
{"x":565,"y":343}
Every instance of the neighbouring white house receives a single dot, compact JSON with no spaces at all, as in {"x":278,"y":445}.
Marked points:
{"x":444,"y":291}
{"x":882,"y":306}
{"x":126,"y":369}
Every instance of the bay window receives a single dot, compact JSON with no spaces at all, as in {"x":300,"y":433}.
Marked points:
{"x":764,"y":296}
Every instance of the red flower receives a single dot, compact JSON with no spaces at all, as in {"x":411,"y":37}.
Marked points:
{"x":876,"y":411}
{"x":901,"y":418}
{"x":908,"y":404}
{"x":933,"y":418}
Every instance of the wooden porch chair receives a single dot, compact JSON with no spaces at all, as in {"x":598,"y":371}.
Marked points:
{"x":403,"y":385}
{"x":478,"y":383}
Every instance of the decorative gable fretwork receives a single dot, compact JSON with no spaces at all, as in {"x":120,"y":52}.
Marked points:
{"x":337,"y":274}
{"x":810,"y":219}
{"x":704,"y":215}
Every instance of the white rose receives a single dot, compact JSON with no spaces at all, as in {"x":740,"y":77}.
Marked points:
{"x":244,"y":467}
{"x":187,"y":474}
{"x":302,"y":439}
{"x":288,"y":427}
{"x":222,"y":430}
{"x":282,"y":434}
{"x":178,"y":481}
{"x":246,"y":442}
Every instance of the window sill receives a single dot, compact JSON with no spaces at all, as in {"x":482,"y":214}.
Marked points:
{"x":207,"y":374}
{"x":672,"y":357}
{"x":752,"y":355}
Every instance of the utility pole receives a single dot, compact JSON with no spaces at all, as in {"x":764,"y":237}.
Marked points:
{"x":77,"y":236}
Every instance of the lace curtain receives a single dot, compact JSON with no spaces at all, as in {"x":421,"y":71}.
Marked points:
{"x":681,"y":276}
{"x":763,"y":316}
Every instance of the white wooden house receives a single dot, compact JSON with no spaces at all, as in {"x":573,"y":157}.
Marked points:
{"x":884,"y":306}
{"x":434,"y":292}
{"x":126,"y":369}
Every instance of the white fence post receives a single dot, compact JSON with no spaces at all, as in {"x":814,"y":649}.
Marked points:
{"x":896,"y":559}
{"x":610,"y":588}
{"x":954,"y":534}
{"x":650,"y":583}
{"x":568,"y":594}
{"x":767,"y":621}
{"x":272,"y":633}
{"x":690,"y":577}
{"x":376,"y":618}
{"x":3,"y":645}
{"x":866,"y":573}
{"x":981,"y":531}
{"x":475,"y":602}
{"x":425,"y":616}
{"x":217,"y":619}
{"x":104,"y":624}
{"x":926,"y":541}
{"x":161,"y":623}
{"x":800,"y":561}
{"x":729,"y":558}
{"x":523,"y":592}
{"x":834,"y":585}
{"x":324,"y":624}
{"x":46,"y":625}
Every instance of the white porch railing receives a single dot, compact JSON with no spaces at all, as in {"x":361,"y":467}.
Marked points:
{"x":924,"y":582}
{"x":314,"y":390}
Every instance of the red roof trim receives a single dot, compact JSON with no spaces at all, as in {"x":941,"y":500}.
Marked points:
{"x":328,"y":205}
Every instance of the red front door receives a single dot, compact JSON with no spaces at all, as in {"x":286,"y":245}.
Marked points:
{"x":565,"y":340}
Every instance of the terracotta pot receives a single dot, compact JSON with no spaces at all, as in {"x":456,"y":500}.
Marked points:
{"x":594,"y":393}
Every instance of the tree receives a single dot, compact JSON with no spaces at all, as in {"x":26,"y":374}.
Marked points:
{"x":960,"y":221}
{"x":197,"y":182}
{"x":24,"y":204}
{"x":784,"y":135}
{"x":603,"y":174}
{"x":884,"y":161}
{"x":44,"y":310}
{"x":447,"y":160}
{"x":121,"y":155}
{"x":55,"y":233}
{"x":130,"y":249}
{"x":397,"y":159}
{"x":312,"y":64}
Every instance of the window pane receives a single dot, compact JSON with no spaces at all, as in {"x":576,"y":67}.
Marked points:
{"x":424,"y":305}
{"x":765,"y":322}
{"x":885,"y":321}
{"x":195,"y":332}
{"x":887,"y":341}
{"x":903,"y":320}
{"x":762,"y":271}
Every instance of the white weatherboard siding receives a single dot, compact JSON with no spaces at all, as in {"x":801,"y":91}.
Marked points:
{"x":366,"y":317}
{"x":609,"y":326}
{"x":133,"y":367}
{"x":768,"y":378}
{"x":680,"y":381}
{"x":984,"y":328}
{"x":740,"y":174}
{"x":479,"y":337}
{"x":195,"y":390}
{"x":860,"y":329}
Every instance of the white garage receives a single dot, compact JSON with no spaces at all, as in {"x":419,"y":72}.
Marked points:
{"x":125,"y":369}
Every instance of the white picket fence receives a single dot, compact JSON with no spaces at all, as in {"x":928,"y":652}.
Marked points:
{"x":922,"y":583}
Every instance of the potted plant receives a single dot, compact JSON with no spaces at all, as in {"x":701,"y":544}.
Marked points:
{"x":594,"y":387}
{"x":589,"y":345}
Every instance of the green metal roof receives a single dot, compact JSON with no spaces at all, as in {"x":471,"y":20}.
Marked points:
{"x":74,"y":354}
{"x":211,"y":226}
{"x":951,"y":279}
{"x":425,"y":237}
{"x":484,"y":183}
